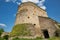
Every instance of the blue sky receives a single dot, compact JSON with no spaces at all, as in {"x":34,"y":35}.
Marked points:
{"x":9,"y":9}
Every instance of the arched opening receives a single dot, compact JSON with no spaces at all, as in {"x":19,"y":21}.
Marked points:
{"x":45,"y":33}
{"x":56,"y":34}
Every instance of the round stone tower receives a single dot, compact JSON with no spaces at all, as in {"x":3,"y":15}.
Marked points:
{"x":28,"y":13}
{"x":35,"y":20}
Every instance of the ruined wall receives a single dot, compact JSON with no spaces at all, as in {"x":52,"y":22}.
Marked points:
{"x":49,"y":25}
{"x":28,"y":13}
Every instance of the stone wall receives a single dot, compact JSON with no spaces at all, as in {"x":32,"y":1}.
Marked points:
{"x":28,"y":13}
{"x":49,"y":25}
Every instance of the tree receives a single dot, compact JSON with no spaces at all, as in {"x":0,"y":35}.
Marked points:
{"x":1,"y":31}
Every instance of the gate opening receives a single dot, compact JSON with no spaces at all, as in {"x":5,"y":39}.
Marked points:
{"x":45,"y":33}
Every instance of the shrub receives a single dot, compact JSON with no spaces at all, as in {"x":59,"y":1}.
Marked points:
{"x":1,"y":38}
{"x":1,"y":31}
{"x":6,"y":37}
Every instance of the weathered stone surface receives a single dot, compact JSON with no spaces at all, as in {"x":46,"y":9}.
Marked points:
{"x":49,"y":25}
{"x":23,"y":30}
{"x":30,"y":13}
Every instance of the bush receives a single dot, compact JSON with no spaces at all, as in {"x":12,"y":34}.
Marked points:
{"x":1,"y":38}
{"x":1,"y":31}
{"x":6,"y":37}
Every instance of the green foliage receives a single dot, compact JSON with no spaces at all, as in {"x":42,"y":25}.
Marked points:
{"x":1,"y":38}
{"x":27,"y":39}
{"x":1,"y":31}
{"x":59,"y":26}
{"x":58,"y":32}
{"x":20,"y":30}
{"x":6,"y":37}
{"x":54,"y":38}
{"x":16,"y":38}
{"x":38,"y":38}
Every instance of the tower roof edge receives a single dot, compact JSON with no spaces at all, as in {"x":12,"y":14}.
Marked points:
{"x":31,"y":3}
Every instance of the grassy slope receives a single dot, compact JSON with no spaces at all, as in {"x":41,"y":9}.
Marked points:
{"x":54,"y":38}
{"x":19,"y":30}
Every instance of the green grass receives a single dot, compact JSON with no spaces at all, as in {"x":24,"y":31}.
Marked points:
{"x":20,"y":30}
{"x":2,"y":38}
{"x":27,"y":39}
{"x":54,"y":38}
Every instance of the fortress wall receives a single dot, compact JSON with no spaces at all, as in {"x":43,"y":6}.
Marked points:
{"x":28,"y":13}
{"x":47,"y":24}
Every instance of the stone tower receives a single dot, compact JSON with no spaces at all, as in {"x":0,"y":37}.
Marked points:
{"x":28,"y":13}
{"x":40,"y":24}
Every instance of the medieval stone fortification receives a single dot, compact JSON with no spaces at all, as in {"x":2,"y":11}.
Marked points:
{"x":30,"y":13}
{"x":37,"y":20}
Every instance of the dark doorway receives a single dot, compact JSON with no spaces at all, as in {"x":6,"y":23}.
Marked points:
{"x":45,"y":32}
{"x":56,"y":34}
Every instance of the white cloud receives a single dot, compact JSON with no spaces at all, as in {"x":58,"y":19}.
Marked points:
{"x":43,"y":7}
{"x":18,"y":3}
{"x":40,"y":3}
{"x":7,"y":0}
{"x":3,"y":25}
{"x":35,"y":1}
